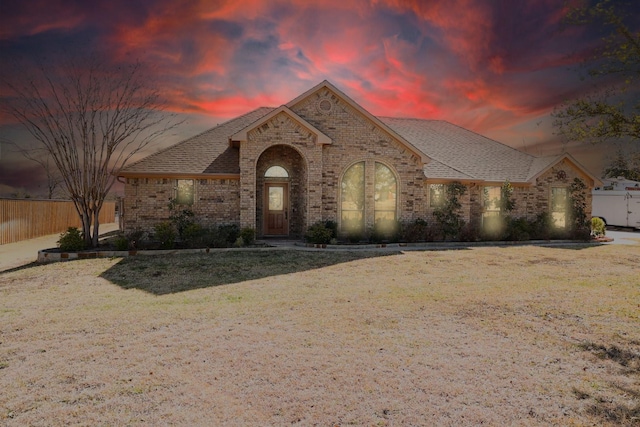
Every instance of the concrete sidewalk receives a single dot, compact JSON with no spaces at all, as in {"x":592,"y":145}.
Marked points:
{"x":17,"y":254}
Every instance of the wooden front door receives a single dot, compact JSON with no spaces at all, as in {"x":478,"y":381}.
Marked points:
{"x":276,"y":209}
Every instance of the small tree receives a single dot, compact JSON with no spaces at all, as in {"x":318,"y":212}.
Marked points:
{"x":90,"y":118}
{"x":449,"y":215}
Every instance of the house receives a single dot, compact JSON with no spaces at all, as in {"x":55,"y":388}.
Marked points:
{"x":323,"y":157}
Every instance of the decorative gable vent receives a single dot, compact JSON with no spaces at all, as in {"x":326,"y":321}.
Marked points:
{"x":324,"y":106}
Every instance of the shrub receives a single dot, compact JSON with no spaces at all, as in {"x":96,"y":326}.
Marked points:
{"x":71,"y":240}
{"x":518,"y":229}
{"x":182,"y":219}
{"x":135,"y":238}
{"x":228,"y":233}
{"x":415,"y":231}
{"x":578,"y":222}
{"x":449,"y":216}
{"x":598,"y":227}
{"x":192,"y":235}
{"x":248,"y":236}
{"x":469,"y":233}
{"x":121,"y":243}
{"x":319,"y":233}
{"x":165,"y":234}
{"x":333,"y":226}
{"x":542,"y":226}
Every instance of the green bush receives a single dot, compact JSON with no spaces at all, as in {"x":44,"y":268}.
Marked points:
{"x":318,"y":233}
{"x":166,"y":235}
{"x":333,"y":226}
{"x":192,"y":235}
{"x":228,"y":233}
{"x":598,"y":227}
{"x":248,"y":236}
{"x":518,"y":229}
{"x":542,"y":227}
{"x":121,"y":243}
{"x":71,"y":240}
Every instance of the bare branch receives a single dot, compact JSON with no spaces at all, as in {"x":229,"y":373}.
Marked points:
{"x":90,"y":119}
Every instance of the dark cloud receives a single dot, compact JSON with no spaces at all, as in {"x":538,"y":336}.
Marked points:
{"x":495,"y":66}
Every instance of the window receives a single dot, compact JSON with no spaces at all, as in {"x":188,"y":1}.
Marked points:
{"x":276,"y":172}
{"x":184,"y":192}
{"x":559,"y":203}
{"x":491,"y":208}
{"x":385,"y":194}
{"x":352,"y":187}
{"x":436,"y":195}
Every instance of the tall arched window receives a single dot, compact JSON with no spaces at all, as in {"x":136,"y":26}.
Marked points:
{"x":352,"y":187}
{"x":386,"y":190}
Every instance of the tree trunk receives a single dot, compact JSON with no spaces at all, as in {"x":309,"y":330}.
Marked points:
{"x":96,"y":224}
{"x":86,"y":227}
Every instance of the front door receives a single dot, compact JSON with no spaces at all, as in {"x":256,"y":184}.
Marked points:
{"x":276,"y":208}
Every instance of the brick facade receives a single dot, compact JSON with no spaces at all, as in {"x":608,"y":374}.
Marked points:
{"x":316,"y":139}
{"x":146,"y":202}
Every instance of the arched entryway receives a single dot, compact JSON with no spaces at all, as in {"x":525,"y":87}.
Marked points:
{"x":281,"y":192}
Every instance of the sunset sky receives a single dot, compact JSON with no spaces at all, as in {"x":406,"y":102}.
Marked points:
{"x":497,"y":67}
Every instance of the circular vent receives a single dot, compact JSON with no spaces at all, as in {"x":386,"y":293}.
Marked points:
{"x":325,"y":106}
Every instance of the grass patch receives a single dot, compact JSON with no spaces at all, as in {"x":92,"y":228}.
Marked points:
{"x":166,"y":274}
{"x":484,"y":336}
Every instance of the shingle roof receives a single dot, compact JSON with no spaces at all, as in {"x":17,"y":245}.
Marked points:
{"x":208,"y":152}
{"x":461,"y":154}
{"x":450,"y":152}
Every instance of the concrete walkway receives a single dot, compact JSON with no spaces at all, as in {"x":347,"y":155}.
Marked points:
{"x":17,"y":254}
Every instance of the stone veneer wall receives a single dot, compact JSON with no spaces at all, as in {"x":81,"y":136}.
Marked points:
{"x":146,"y":202}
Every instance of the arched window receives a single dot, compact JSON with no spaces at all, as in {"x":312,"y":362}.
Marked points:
{"x":276,"y":172}
{"x":386,"y":190}
{"x":352,"y":187}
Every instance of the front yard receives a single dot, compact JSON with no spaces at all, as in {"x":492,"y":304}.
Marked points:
{"x":493,"y":336}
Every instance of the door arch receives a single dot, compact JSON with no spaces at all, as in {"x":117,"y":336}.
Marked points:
{"x":281,"y":192}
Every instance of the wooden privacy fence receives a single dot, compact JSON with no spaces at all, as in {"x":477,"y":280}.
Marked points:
{"x":26,"y":219}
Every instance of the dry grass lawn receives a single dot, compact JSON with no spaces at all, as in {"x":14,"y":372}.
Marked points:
{"x":518,"y":336}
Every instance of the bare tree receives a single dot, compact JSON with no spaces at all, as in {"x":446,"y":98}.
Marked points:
{"x":90,"y":118}
{"x":40,"y":156}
